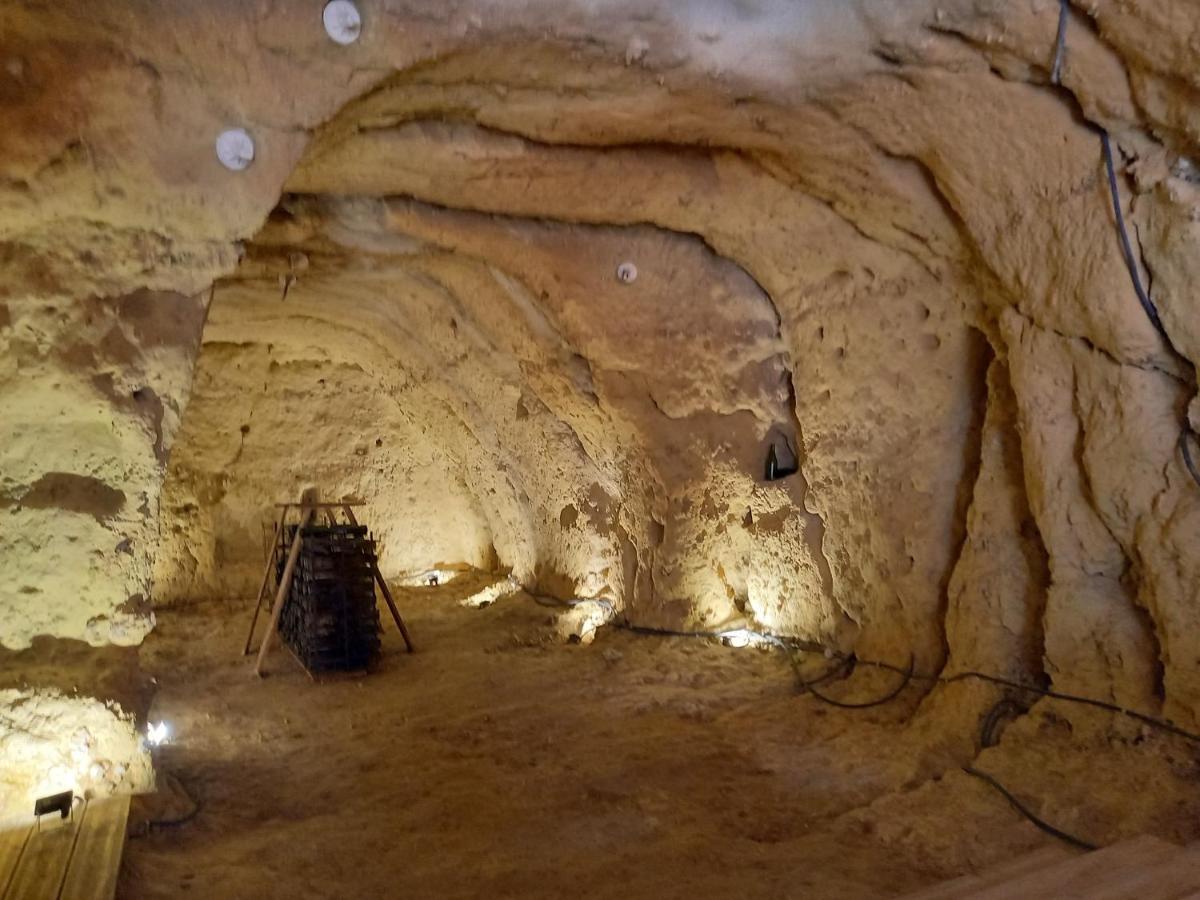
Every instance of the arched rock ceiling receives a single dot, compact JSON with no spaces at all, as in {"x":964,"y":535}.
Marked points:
{"x":873,"y":227}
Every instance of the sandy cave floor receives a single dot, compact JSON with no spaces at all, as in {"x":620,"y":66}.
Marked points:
{"x":498,"y":762}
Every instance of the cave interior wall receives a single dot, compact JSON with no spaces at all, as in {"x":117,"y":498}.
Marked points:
{"x":871,"y":234}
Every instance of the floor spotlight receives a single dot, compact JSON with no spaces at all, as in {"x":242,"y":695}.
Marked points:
{"x":157,"y":733}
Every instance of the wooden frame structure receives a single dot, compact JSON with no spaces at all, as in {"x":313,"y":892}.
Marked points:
{"x":308,"y":507}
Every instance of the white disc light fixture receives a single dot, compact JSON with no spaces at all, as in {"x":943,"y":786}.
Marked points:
{"x":343,"y":22}
{"x":235,"y":149}
{"x":627,"y":273}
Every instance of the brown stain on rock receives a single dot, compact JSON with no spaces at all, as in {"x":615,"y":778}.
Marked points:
{"x":74,"y":493}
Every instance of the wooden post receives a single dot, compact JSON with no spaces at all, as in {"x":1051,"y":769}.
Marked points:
{"x":387,"y":594}
{"x":262,"y":588}
{"x":285,"y":585}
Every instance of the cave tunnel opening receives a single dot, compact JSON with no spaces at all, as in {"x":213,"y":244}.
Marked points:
{"x":812,"y":397}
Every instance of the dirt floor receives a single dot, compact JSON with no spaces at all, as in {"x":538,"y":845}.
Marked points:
{"x":499,"y":762}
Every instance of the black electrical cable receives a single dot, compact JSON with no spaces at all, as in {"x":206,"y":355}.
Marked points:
{"x":987,"y":738}
{"x":666,"y":632}
{"x":1161,"y":724}
{"x":846,"y":663}
{"x":151,"y":824}
{"x":839,"y":670}
{"x":786,"y":643}
{"x":173,"y":823}
{"x":1064,"y":7}
{"x":1000,"y":710}
{"x":1114,"y":190}
{"x":1028,"y":814}
{"x":909,"y":673}
{"x":891,"y":695}
{"x":1143,"y":297}
{"x":1126,"y":246}
{"x":1187,"y":454}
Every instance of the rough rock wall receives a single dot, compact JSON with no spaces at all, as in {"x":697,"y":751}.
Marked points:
{"x":91,"y":395}
{"x":844,"y":216}
{"x":265,"y":421}
{"x":52,"y":742}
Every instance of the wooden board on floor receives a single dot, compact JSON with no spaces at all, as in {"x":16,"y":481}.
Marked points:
{"x":12,"y":843}
{"x":965,"y":885}
{"x":74,"y":860}
{"x":1177,"y":877}
{"x":43,"y":865}
{"x":96,"y":861}
{"x":1085,"y":875}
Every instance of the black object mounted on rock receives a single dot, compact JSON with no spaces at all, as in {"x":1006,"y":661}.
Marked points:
{"x":776,"y":468}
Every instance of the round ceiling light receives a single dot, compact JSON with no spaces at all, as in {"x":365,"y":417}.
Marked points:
{"x":235,"y":149}
{"x":343,"y":23}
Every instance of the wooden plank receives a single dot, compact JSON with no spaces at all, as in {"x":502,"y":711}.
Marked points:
{"x":12,"y":843}
{"x":92,"y":873}
{"x":262,"y":588}
{"x":1084,"y":875}
{"x":966,"y":885}
{"x":42,"y":866}
{"x":285,"y":585}
{"x":387,"y":595}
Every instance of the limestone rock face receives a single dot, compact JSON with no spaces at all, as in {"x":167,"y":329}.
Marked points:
{"x":91,"y":397}
{"x":868,"y":236}
{"x":52,"y":743}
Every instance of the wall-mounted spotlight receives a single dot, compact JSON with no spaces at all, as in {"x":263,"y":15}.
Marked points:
{"x":777,"y":467}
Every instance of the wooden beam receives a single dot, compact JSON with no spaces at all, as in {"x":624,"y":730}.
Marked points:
{"x":387,"y":594}
{"x":262,"y":587}
{"x":285,"y":586}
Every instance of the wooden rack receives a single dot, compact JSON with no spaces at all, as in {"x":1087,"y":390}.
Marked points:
{"x":308,"y":508}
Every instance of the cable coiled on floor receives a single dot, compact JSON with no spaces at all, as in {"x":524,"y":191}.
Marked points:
{"x":810,"y":687}
{"x":987,"y":738}
{"x":848,"y":660}
{"x":1161,"y":724}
